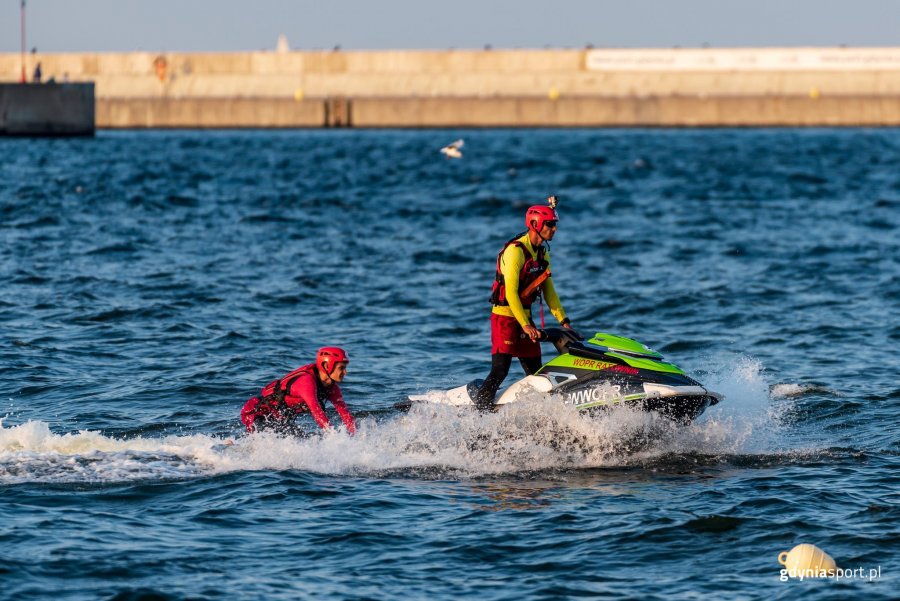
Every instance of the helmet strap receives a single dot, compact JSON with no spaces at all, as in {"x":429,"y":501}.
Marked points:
{"x":543,"y":240}
{"x":327,"y":380}
{"x":532,"y":228}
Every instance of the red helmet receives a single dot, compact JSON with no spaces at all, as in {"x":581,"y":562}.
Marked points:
{"x":539,"y":214}
{"x":329,"y":356}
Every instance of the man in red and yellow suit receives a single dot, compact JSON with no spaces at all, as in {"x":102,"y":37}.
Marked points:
{"x":304,"y":390}
{"x":522,"y":276}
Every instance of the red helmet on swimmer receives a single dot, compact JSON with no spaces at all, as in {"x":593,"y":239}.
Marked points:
{"x":537,"y":215}
{"x":329,"y":356}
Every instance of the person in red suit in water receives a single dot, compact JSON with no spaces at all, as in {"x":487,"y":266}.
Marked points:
{"x":304,"y":390}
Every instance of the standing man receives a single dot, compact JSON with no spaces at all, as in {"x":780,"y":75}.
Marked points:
{"x":522,"y":276}
{"x":304,"y":390}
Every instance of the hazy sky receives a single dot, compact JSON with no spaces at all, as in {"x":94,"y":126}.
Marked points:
{"x":231,"y":25}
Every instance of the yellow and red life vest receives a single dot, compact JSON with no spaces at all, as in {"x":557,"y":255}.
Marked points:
{"x":533,"y":273}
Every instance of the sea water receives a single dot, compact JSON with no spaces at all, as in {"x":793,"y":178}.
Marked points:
{"x":150,"y":282}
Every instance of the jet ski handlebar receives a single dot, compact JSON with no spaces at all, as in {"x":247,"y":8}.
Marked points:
{"x":560,"y":337}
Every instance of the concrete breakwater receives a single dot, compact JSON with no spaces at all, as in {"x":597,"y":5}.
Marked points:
{"x":488,"y":88}
{"x":47,"y":109}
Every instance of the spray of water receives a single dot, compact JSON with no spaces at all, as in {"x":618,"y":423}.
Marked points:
{"x":532,"y":435}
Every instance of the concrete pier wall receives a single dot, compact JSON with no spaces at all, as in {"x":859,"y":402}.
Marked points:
{"x":660,"y":111}
{"x":801,"y":86}
{"x":209,"y":113}
{"x":47,"y":109}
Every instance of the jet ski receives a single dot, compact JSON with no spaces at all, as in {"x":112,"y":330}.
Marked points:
{"x":595,"y":375}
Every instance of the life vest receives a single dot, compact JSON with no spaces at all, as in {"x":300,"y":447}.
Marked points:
{"x":271,"y":399}
{"x":534,"y":272}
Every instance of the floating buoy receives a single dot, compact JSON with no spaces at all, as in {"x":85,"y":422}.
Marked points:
{"x":807,"y":561}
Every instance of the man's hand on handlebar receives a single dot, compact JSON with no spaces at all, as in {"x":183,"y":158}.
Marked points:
{"x":532,"y":332}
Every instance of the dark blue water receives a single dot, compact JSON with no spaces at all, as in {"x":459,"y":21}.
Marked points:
{"x":150,"y":282}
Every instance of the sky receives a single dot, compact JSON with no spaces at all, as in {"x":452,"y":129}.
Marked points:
{"x":237,"y":25}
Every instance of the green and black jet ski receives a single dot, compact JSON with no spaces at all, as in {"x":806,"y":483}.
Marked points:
{"x":602,"y":372}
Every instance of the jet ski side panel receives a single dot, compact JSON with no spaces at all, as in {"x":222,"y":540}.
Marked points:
{"x":592,"y":385}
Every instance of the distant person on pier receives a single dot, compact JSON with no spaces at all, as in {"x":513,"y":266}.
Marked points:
{"x":522,"y":277}
{"x":304,"y":390}
{"x":38,"y":74}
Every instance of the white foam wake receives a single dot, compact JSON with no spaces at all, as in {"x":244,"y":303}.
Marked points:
{"x":528,"y":436}
{"x":787,"y":390}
